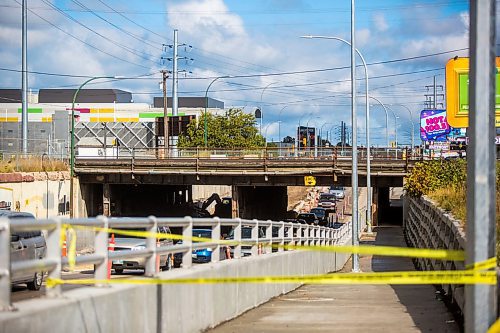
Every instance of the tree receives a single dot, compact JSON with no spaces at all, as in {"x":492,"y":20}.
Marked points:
{"x":235,"y":129}
{"x":288,"y":139}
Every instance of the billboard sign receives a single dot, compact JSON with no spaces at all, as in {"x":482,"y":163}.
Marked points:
{"x":457,"y":92}
{"x":433,"y":125}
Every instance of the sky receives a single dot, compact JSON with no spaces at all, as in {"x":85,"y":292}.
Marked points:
{"x":257,"y":44}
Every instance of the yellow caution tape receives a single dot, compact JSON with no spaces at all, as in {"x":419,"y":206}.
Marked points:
{"x":439,"y":254}
{"x":495,"y":328}
{"x":419,"y":277}
{"x":483,"y":265}
{"x":72,"y":244}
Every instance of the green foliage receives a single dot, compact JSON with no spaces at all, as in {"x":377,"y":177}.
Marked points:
{"x":235,"y":129}
{"x":431,"y":175}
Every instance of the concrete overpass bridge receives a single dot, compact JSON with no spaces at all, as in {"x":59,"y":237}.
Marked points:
{"x":144,"y":180}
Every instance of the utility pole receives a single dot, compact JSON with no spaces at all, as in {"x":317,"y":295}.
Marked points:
{"x":481,"y":299}
{"x":165,"y":114}
{"x":431,"y":98}
{"x":24,"y":114}
{"x":175,"y":77}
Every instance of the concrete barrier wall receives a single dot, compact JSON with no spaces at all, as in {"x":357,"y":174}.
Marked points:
{"x":202,"y":192}
{"x":430,"y":227}
{"x":169,"y":307}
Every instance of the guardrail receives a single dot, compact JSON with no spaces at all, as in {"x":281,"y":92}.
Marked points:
{"x":256,"y":153}
{"x":53,"y":262}
{"x":430,"y":227}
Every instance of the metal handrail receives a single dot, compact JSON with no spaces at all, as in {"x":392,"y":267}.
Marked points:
{"x":288,"y":234}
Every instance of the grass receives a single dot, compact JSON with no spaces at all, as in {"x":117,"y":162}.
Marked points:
{"x":453,"y":200}
{"x":31,"y":164}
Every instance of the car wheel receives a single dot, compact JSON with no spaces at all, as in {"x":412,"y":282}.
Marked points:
{"x":118,"y":270}
{"x":37,"y":281}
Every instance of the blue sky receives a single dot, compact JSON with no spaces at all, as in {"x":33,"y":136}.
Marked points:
{"x":236,"y":38}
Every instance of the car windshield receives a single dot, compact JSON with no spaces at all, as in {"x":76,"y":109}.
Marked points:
{"x":326,"y":197}
{"x":336,"y":188}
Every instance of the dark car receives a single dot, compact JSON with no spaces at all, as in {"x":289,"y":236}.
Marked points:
{"x":327,"y":201}
{"x":246,"y":233}
{"x":199,"y":256}
{"x":26,"y":245}
{"x":322,"y":215}
{"x":310,"y":218}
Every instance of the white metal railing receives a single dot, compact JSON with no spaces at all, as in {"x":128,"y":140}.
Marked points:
{"x":288,"y":234}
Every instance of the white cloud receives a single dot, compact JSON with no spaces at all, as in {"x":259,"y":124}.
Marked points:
{"x":380,"y":22}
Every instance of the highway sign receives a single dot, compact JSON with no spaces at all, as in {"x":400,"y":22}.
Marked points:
{"x":309,"y":180}
{"x":457,"y":92}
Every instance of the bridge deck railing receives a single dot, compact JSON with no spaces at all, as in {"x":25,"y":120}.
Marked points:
{"x":269,"y":153}
{"x":288,"y":234}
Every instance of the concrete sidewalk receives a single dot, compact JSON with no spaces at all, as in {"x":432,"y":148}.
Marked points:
{"x":353,"y":308}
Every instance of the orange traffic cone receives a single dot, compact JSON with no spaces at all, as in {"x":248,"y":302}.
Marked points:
{"x":64,"y":249}
{"x":111,"y":248}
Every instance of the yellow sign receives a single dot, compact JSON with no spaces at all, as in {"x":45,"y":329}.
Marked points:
{"x":457,"y":93}
{"x":309,"y":180}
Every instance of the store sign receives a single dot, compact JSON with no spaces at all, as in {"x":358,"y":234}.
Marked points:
{"x":433,"y":125}
{"x":435,"y":145}
{"x":457,"y":92}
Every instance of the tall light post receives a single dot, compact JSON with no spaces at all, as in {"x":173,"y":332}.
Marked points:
{"x":279,"y":127}
{"x":205,"y":131}
{"x":386,"y":120}
{"x":24,"y":78}
{"x":261,"y":112}
{"x":266,"y":128}
{"x":354,"y":179}
{"x":412,"y":125}
{"x":395,"y":127}
{"x":321,"y":136}
{"x":72,"y":144}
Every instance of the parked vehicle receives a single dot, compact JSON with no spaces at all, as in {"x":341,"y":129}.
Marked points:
{"x":338,"y":191}
{"x":26,"y":245}
{"x":198,"y":255}
{"x":310,"y":218}
{"x":246,"y":233}
{"x":297,"y":220}
{"x":322,"y":215}
{"x":124,"y":243}
{"x":327,"y":201}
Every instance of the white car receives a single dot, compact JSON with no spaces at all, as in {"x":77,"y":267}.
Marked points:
{"x":338,"y":191}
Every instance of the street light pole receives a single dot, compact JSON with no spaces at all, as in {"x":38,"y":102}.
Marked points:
{"x":261,"y":111}
{"x":205,"y":131}
{"x":367,"y":117}
{"x":72,"y":144}
{"x":279,"y":127}
{"x":412,"y":125}
{"x":386,"y":120}
{"x":395,"y":127}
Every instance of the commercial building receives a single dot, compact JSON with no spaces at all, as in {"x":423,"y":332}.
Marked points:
{"x":99,"y":114}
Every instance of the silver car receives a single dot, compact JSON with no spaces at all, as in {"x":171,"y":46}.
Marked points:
{"x":26,"y":245}
{"x":132,"y":243}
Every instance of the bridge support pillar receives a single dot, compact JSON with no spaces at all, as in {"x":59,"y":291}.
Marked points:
{"x":235,"y":203}
{"x":262,"y":202}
